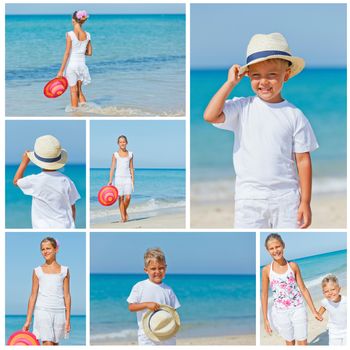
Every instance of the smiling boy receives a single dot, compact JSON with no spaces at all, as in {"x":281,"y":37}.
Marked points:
{"x":273,"y":139}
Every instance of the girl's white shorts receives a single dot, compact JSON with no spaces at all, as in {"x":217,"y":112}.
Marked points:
{"x":49,"y":325}
{"x":124,"y":185}
{"x":290,"y":324}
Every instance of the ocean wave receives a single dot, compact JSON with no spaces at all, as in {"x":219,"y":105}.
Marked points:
{"x":95,"y":109}
{"x":123,"y":334}
{"x":150,"y":206}
{"x":134,"y":64}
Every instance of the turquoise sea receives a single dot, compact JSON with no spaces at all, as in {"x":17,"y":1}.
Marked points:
{"x":314,"y":268}
{"x":137,"y":67}
{"x":211,"y":305}
{"x":157,"y":191}
{"x":76,"y":337}
{"x":18,"y":206}
{"x":319,"y":93}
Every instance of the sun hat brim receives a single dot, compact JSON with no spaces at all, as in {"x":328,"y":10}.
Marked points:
{"x":297,"y":63}
{"x":49,"y":163}
{"x":148,"y":331}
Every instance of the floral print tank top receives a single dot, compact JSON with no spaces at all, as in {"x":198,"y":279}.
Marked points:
{"x":285,"y":291}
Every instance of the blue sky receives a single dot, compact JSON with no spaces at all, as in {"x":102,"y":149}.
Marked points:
{"x":303,"y":244}
{"x":155,"y":144}
{"x":23,"y":255}
{"x":186,"y":253}
{"x":220,"y":33}
{"x":21,"y":136}
{"x":95,"y":8}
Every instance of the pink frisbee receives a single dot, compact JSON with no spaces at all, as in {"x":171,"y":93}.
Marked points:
{"x":55,"y":87}
{"x":23,"y":338}
{"x":107,"y":195}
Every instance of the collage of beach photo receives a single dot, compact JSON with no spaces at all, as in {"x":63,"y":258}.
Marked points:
{"x":174,"y":173}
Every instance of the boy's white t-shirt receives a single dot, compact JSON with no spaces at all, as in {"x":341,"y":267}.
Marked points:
{"x":337,"y":324}
{"x":53,"y":196}
{"x":147,"y":291}
{"x":266,"y":137}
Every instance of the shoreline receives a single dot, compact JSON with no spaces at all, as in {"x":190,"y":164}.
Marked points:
{"x":245,"y":339}
{"x":166,"y":220}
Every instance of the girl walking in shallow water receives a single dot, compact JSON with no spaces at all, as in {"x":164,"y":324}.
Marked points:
{"x":288,"y":313}
{"x":50,"y":297}
{"x":78,"y":45}
{"x":122,"y":162}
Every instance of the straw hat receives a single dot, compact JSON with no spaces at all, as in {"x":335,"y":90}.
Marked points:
{"x":48,"y":153}
{"x":263,"y":47}
{"x":162,"y":324}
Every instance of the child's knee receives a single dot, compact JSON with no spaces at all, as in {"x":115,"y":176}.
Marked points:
{"x":74,"y":89}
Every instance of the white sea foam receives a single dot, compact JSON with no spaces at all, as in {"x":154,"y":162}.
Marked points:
{"x":123,"y":334}
{"x":95,"y":109}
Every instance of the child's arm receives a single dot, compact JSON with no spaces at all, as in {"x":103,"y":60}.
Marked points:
{"x":74,"y":212}
{"x":322,"y":310}
{"x":65,"y":56}
{"x":305,"y":175}
{"x":214,"y":111}
{"x":264,"y":298}
{"x":111,"y":172}
{"x":31,"y":302}
{"x":21,"y":169}
{"x":304,"y":291}
{"x":88,"y":51}
{"x":132,"y":172}
{"x":141,"y":306}
{"x":67,"y":301}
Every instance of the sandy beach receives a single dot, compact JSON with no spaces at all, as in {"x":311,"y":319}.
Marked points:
{"x":318,"y":334}
{"x":165,"y":221}
{"x":328,"y":210}
{"x":247,"y":339}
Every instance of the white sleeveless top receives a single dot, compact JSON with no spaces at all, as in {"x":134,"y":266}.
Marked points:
{"x":50,"y":295}
{"x":285,"y":290}
{"x":123,"y":165}
{"x":77,"y":54}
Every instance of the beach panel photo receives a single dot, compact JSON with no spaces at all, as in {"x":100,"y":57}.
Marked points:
{"x":45,"y":277}
{"x":107,"y":60}
{"x":137,"y":174}
{"x":303,"y":288}
{"x":45,"y":174}
{"x":210,"y":286}
{"x":319,"y":91}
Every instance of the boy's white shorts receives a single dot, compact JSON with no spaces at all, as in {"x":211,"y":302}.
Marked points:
{"x":277,"y":212}
{"x":290,"y":324}
{"x":336,"y":340}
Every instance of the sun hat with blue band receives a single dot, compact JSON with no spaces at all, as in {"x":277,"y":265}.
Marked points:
{"x":264,"y":47}
{"x":48,"y":153}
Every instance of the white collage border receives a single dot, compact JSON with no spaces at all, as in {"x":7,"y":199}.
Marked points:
{"x":187,"y":4}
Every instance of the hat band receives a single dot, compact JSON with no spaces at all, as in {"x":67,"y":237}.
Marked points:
{"x":266,"y":53}
{"x":47,"y":160}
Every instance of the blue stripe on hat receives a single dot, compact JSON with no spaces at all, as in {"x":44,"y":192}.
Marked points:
{"x":266,"y":53}
{"x":47,"y":160}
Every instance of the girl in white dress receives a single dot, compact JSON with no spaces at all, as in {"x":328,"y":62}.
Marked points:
{"x":50,"y":297}
{"x":78,"y":45}
{"x":122,"y":162}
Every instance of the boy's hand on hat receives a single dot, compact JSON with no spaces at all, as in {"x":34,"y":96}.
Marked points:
{"x":233,"y":75}
{"x":25,"y":157}
{"x":153,"y":306}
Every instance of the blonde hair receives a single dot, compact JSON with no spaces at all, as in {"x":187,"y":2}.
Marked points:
{"x":154,"y":254}
{"x":330,"y":278}
{"x":275,"y":236}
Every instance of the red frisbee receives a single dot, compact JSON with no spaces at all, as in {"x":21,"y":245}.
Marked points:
{"x":107,"y":195}
{"x":55,"y":87}
{"x":23,"y":338}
